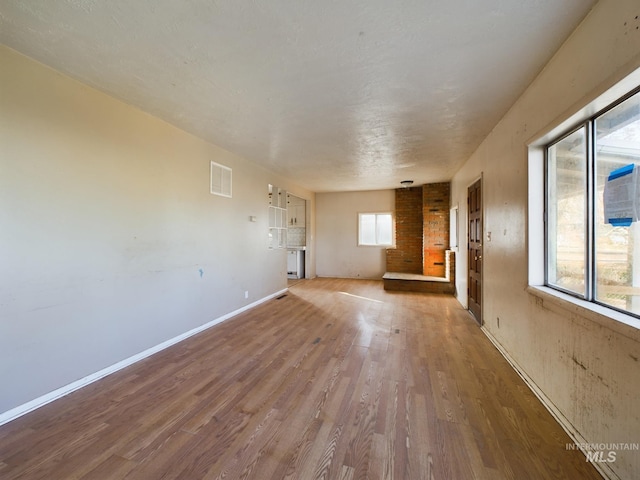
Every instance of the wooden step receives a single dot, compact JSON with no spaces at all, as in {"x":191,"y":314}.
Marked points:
{"x":411,"y":282}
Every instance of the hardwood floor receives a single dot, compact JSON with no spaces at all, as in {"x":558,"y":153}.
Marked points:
{"x":338,"y":379}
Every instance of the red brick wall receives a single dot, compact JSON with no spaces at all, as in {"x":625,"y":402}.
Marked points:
{"x":435,"y":208}
{"x":407,"y":256}
{"x":422,"y":230}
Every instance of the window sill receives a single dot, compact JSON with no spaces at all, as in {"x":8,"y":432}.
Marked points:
{"x":618,"y":322}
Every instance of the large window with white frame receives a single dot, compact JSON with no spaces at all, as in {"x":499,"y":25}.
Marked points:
{"x":592,"y":233}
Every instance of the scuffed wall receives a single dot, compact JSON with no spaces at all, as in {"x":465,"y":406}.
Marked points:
{"x":586,"y":365}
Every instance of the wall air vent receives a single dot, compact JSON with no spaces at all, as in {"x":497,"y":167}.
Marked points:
{"x":220,"y":180}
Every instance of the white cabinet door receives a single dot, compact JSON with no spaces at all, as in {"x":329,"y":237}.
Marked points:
{"x":300,"y":215}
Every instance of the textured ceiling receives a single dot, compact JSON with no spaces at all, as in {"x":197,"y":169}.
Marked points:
{"x":337,"y":94}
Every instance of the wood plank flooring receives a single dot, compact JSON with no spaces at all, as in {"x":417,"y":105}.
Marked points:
{"x":339,"y":379}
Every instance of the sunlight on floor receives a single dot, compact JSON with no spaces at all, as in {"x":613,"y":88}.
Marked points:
{"x":363,"y":298}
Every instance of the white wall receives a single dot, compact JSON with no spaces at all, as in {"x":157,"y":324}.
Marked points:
{"x":337,"y":234}
{"x":584,"y":364}
{"x":110,"y":242}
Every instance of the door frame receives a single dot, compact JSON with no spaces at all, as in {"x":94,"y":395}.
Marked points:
{"x":306,"y":254}
{"x":480,"y":179}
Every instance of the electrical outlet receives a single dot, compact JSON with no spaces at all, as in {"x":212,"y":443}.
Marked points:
{"x":246,"y":294}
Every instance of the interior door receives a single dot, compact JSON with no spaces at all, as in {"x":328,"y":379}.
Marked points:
{"x":474,"y":289}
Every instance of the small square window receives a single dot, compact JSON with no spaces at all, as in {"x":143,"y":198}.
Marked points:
{"x":375,"y":229}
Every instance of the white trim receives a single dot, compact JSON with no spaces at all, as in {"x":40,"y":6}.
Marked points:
{"x":603,"y":468}
{"x":606,"y":317}
{"x":25,"y":408}
{"x":535,"y":211}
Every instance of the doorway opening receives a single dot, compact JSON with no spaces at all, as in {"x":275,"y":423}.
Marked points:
{"x":296,"y":237}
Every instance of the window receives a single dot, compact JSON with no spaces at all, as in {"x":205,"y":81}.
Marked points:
{"x":592,"y":203}
{"x":375,"y":229}
{"x":453,"y":227}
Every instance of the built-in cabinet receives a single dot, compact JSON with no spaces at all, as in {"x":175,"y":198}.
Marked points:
{"x":296,"y":211}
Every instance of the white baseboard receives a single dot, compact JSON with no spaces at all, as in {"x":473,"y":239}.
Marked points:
{"x":603,"y":468}
{"x":25,"y":408}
